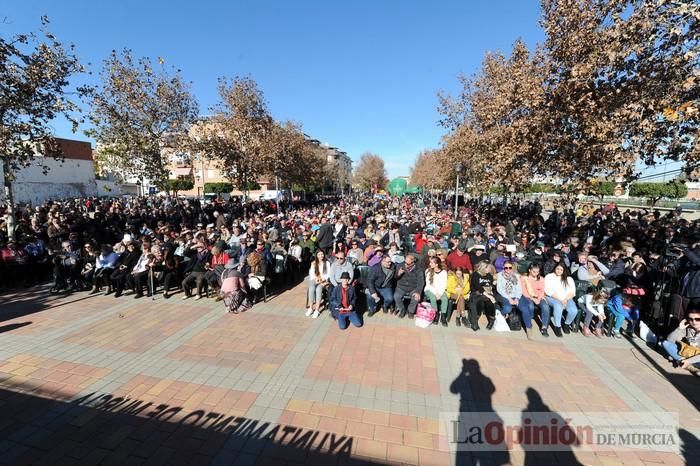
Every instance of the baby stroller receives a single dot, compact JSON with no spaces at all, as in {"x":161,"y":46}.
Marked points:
{"x":233,"y":290}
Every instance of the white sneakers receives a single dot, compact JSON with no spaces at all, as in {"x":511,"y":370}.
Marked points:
{"x":309,"y":311}
{"x":197,"y":297}
{"x":315,"y":314}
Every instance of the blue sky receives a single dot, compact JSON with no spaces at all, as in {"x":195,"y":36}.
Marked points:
{"x":360,"y":75}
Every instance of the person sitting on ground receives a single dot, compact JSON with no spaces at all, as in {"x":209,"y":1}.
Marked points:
{"x":532,"y":287}
{"x":410,"y":282}
{"x":560,"y":290}
{"x":319,"y":275}
{"x":435,"y":287}
{"x":458,"y":291}
{"x":683,"y":344}
{"x":342,"y":303}
{"x":380,"y":285}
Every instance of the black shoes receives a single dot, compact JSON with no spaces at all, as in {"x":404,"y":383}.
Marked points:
{"x":544,"y":333}
{"x":458,"y":321}
{"x":492,"y":321}
{"x":443,"y":320}
{"x":574,"y":328}
{"x":557,"y":332}
{"x":566,"y":328}
{"x":402,"y":314}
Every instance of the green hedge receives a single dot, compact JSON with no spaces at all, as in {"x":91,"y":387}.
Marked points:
{"x":218,"y":188}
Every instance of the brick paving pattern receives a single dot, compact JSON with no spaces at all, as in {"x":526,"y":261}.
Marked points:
{"x":97,"y":380}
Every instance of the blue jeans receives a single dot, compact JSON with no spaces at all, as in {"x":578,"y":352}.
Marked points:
{"x":345,"y":319}
{"x":387,"y":299}
{"x":620,"y":319}
{"x":527,"y":309}
{"x":558,"y":310}
{"x":506,"y":306}
{"x":671,"y":348}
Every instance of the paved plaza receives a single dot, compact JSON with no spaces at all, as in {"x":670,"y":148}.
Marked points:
{"x":97,"y":380}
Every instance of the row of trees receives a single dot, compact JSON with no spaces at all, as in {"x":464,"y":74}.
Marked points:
{"x":140,"y":114}
{"x":615,"y":82}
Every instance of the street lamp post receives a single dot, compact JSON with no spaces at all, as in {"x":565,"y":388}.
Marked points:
{"x":277,"y":194}
{"x":459,"y":169}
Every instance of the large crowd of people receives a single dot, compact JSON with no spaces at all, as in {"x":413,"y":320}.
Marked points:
{"x":592,"y":270}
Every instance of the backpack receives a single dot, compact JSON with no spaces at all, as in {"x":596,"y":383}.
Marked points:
{"x":514,"y":321}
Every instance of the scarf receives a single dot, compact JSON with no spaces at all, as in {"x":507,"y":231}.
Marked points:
{"x":344,"y":297}
{"x":388,"y":275}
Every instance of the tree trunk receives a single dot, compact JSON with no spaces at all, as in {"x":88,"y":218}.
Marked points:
{"x":11,"y":207}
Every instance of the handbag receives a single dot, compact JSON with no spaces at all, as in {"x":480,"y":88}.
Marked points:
{"x":687,"y":351}
{"x":501,"y":325}
{"x":425,"y":314}
{"x":255,"y":282}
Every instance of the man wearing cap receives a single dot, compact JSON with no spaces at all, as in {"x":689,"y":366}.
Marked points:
{"x":478,"y":254}
{"x":342,"y":302}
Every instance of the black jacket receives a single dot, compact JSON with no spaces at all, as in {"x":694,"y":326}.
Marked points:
{"x":413,"y":281}
{"x":325,"y":236}
{"x":376,"y":278}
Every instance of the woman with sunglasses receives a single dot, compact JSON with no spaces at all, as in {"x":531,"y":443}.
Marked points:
{"x":532,"y":287}
{"x":686,"y":338}
{"x":508,"y":291}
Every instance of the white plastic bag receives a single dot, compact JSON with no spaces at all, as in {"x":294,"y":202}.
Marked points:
{"x":501,"y":325}
{"x":646,"y":334}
